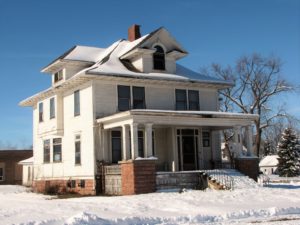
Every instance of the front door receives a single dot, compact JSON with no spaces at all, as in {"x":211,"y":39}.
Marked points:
{"x":187,"y":149}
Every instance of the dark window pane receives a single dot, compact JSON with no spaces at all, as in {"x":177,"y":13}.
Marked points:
{"x":77,"y":152}
{"x":41,"y":112}
{"x":57,"y":150}
{"x":187,"y":132}
{"x":76,"y":103}
{"x":193,"y":100}
{"x":141,"y":143}
{"x":181,"y":103}
{"x":116,"y":146}
{"x":123,"y":98}
{"x":46,"y":151}
{"x":138,"y":97}
{"x":159,"y":58}
{"x":52,"y":108}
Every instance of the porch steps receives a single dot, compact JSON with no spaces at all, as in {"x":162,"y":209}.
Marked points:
{"x":239,"y":180}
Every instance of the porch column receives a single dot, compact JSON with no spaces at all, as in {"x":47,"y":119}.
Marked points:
{"x":134,"y":140}
{"x":125,"y":142}
{"x":148,"y":140}
{"x":238,"y":140}
{"x":249,"y":136}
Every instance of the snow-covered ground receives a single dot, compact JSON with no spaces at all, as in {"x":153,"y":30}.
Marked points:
{"x":277,"y":204}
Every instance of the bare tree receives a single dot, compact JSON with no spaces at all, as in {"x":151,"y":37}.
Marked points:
{"x":257,"y":84}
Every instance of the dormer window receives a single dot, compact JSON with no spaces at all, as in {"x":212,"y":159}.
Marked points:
{"x":159,"y":58}
{"x":58,"y":76}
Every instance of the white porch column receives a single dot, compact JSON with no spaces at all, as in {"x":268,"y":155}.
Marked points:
{"x":249,"y":136}
{"x":134,"y":140}
{"x":148,"y":140}
{"x":125,"y":142}
{"x":238,"y":140}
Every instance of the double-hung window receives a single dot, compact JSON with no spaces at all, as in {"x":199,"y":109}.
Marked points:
{"x":181,"y":103}
{"x":41,"y":112}
{"x":76,"y":103}
{"x":138,"y":97}
{"x":52,"y":108}
{"x":123,"y":98}
{"x":187,"y":99}
{"x":77,"y":149}
{"x":46,"y":151}
{"x":193,"y":99}
{"x":116,"y":146}
{"x":56,"y":149}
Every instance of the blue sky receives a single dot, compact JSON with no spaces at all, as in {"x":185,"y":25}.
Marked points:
{"x":33,"y":33}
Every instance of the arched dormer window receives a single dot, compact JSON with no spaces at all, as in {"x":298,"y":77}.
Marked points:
{"x":159,"y":58}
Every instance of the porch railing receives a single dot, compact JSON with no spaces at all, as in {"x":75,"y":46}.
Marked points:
{"x":222,"y":177}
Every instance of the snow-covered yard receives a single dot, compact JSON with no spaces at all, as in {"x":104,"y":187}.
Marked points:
{"x":278,"y":204}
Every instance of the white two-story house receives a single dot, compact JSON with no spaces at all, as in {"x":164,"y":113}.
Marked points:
{"x":127,"y":101}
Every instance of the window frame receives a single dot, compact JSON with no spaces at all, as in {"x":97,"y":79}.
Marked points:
{"x":124,"y":98}
{"x":52,"y":108}
{"x":136,"y":100}
{"x":77,"y":103}
{"x":41,"y":112}
{"x":116,"y":134}
{"x":46,"y":155}
{"x":159,"y":59}
{"x":181,"y":101}
{"x":56,"y":150}
{"x":193,"y":102}
{"x":77,"y":140}
{"x":58,"y":76}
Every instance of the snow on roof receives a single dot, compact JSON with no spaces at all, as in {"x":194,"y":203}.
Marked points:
{"x":269,"y":160}
{"x":84,"y":53}
{"x":114,"y":67}
{"x":26,"y":161}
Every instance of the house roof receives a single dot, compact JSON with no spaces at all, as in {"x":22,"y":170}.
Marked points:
{"x":269,"y":160}
{"x":107,"y":63}
{"x":26,"y":161}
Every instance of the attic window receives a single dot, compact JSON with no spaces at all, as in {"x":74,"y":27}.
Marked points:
{"x":58,"y":76}
{"x":159,"y":58}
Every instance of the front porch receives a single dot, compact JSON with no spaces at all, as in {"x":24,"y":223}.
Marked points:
{"x":179,"y":140}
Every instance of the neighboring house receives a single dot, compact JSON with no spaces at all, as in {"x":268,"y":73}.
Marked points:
{"x":127,"y":101}
{"x":10,"y":170}
{"x":268,"y":165}
{"x":27,"y":176}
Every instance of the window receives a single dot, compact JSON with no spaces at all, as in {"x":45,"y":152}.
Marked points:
{"x":181,"y":103}
{"x":141,"y":143}
{"x":76,"y":103}
{"x":116,"y":146}
{"x":123,"y":98}
{"x":187,"y":99}
{"x":41,"y":114}
{"x":58,"y":76}
{"x":138,"y":97}
{"x":52,"y":108}
{"x":159,"y":58}
{"x":77,"y":149}
{"x":206,"y":139}
{"x":46,"y":151}
{"x":57,"y":150}
{"x":193,"y":100}
{"x":1,"y":174}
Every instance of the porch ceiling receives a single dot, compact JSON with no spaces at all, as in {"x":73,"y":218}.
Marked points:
{"x":216,"y":120}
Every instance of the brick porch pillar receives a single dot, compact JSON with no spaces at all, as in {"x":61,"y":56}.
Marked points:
{"x":138,"y":176}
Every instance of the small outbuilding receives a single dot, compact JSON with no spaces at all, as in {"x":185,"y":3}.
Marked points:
{"x":10,"y":170}
{"x":268,"y":165}
{"x":27,"y":176}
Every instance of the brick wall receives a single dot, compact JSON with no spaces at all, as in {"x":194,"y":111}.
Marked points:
{"x":138,"y":176}
{"x":248,"y":166}
{"x":42,"y":186}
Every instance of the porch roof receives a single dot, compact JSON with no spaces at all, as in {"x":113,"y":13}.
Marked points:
{"x":218,"y":120}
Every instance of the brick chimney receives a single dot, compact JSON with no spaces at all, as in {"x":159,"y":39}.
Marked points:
{"x":134,"y":32}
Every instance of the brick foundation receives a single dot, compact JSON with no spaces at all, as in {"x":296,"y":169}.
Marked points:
{"x":63,"y":186}
{"x":138,"y":176}
{"x":248,"y":166}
